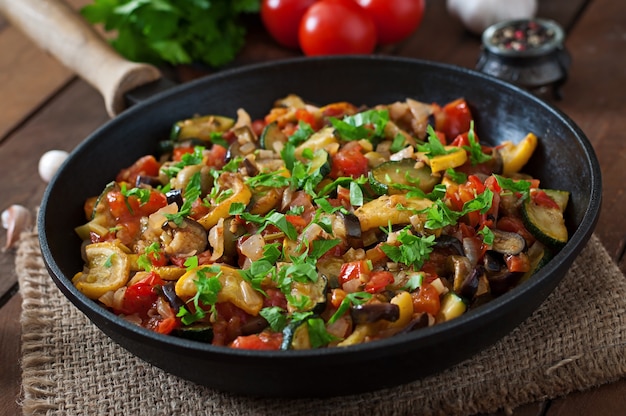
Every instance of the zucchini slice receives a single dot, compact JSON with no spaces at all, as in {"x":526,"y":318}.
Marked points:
{"x":404,"y":173}
{"x":538,"y":255}
{"x":296,"y":336}
{"x":452,"y":306}
{"x":200,"y":127}
{"x":321,"y":163}
{"x":196,"y":332}
{"x":272,"y":138}
{"x":545,"y":223}
{"x":315,"y":292}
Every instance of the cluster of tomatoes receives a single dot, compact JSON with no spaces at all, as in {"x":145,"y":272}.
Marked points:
{"x":331,"y":27}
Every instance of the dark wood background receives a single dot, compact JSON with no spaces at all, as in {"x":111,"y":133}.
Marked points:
{"x":44,"y":106}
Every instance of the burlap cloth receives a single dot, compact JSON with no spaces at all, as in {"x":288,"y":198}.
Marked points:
{"x":575,"y":340}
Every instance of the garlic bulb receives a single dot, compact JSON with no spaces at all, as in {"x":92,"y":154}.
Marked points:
{"x":49,"y":163}
{"x":15,"y":219}
{"x":477,"y":15}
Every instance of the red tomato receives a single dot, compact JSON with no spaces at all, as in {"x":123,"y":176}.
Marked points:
{"x":281,"y":19}
{"x":453,"y":119}
{"x":216,"y":157}
{"x":262,"y":341}
{"x":352,"y":270}
{"x":543,"y":199}
{"x":518,"y":263}
{"x":394,"y":19}
{"x":334,"y":27}
{"x":144,"y":166}
{"x":426,"y":300}
{"x":379,"y":280}
{"x":140,"y":297}
{"x":349,"y":161}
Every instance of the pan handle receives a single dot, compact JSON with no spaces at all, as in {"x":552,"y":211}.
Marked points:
{"x":58,"y":29}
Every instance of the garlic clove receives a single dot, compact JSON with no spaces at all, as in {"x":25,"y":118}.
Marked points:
{"x":50,"y":162}
{"x":477,"y":15}
{"x":15,"y":220}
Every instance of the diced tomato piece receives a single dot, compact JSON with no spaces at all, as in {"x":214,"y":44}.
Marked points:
{"x":157,"y":259}
{"x":541,"y":198}
{"x":492,"y":183}
{"x":216,"y":157}
{"x":453,"y":119}
{"x":122,"y":207}
{"x":177,"y":154}
{"x":144,"y":166}
{"x":258,"y":126}
{"x":167,"y":325}
{"x":460,"y":140}
{"x":274,"y":298}
{"x":376,"y":255}
{"x":353,"y":270}
{"x":309,"y":118}
{"x":297,"y":221}
{"x":336,"y":297}
{"x":339,"y":109}
{"x":426,"y":299}
{"x":140,"y":297}
{"x":349,"y":161}
{"x":198,"y":209}
{"x":517,"y":263}
{"x":379,"y":280}
{"x":262,"y":341}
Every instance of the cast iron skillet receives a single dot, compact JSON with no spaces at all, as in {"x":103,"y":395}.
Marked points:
{"x":563,"y":160}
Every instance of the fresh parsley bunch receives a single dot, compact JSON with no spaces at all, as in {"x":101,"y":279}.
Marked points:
{"x":177,"y":32}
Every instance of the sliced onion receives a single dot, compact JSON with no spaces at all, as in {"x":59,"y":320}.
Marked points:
{"x":472,"y":248}
{"x":216,"y":239}
{"x":252,"y":247}
{"x":352,"y":286}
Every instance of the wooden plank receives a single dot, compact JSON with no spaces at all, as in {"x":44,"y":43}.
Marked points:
{"x":598,"y":52}
{"x":63,"y":124}
{"x":10,"y":356}
{"x":38,"y":76}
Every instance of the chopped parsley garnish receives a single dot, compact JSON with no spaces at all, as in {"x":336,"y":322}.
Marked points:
{"x":187,"y":159}
{"x":275,"y":218}
{"x":275,"y":317}
{"x":192,"y":192}
{"x":206,"y":295}
{"x":487,"y":235}
{"x":517,"y":186}
{"x":413,"y":250}
{"x":474,"y":149}
{"x":365,"y":125}
{"x":356,"y":298}
{"x":433,"y":147}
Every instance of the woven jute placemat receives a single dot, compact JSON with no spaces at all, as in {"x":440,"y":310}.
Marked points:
{"x":574,"y":341}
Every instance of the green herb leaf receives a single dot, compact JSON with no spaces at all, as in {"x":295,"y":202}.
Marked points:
{"x":412,"y":251}
{"x":275,"y":317}
{"x":433,"y":147}
{"x":365,"y":125}
{"x":160,"y":31}
{"x":355,"y":298}
{"x":475,"y":150}
{"x":318,"y":335}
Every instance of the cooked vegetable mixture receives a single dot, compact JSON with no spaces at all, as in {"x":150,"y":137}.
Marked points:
{"x":317,"y":226}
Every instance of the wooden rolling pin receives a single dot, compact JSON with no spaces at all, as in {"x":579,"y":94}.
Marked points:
{"x":58,"y":29}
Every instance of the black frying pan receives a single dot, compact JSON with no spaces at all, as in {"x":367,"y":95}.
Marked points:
{"x":563,"y":160}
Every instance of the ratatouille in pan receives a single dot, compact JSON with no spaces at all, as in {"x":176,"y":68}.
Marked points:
{"x":317,"y":226}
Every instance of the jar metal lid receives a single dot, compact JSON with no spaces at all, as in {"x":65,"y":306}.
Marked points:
{"x":523,"y":38}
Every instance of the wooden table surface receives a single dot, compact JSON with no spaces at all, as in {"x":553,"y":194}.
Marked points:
{"x":44,"y":106}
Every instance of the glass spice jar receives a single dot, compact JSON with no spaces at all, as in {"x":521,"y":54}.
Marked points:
{"x":528,"y":53}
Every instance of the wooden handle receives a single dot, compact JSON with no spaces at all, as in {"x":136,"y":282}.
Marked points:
{"x":60,"y":30}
